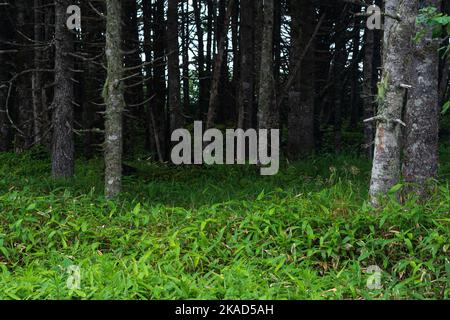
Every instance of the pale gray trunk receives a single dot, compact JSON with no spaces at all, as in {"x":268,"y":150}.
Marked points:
{"x":396,"y":74}
{"x":422,"y":112}
{"x":113,"y":95}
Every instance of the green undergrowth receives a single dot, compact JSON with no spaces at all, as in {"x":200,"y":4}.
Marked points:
{"x":218,"y":233}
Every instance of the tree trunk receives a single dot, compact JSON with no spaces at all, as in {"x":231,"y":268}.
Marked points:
{"x":422,"y":113}
{"x":267,"y":117}
{"x":218,"y":72}
{"x":23,"y":98}
{"x":247,"y":85}
{"x":202,"y":89}
{"x":397,"y":73}
{"x":6,"y":30}
{"x":133,"y":94}
{"x":159,"y":76}
{"x":185,"y":27}
{"x":114,"y":98}
{"x":368,"y":91}
{"x":176,"y":118}
{"x":63,"y":161}
{"x":301,"y":94}
{"x":37,"y":80}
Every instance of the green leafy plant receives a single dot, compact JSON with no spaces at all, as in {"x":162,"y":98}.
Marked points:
{"x":218,"y":233}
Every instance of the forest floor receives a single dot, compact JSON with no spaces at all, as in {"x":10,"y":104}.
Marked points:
{"x":218,"y":233}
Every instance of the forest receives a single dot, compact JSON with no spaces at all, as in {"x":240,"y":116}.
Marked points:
{"x":224,"y":149}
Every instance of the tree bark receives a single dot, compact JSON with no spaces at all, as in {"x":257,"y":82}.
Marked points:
{"x":247,"y":58}
{"x":23,"y":98}
{"x":63,"y":161}
{"x":368,"y":91}
{"x":397,"y":73}
{"x":114,"y":98}
{"x":267,"y":117}
{"x":422,"y":113}
{"x":217,"y":73}
{"x":202,"y":89}
{"x":176,"y":118}
{"x":302,"y":93}
{"x":6,"y":30}
{"x":159,"y":76}
{"x":185,"y":27}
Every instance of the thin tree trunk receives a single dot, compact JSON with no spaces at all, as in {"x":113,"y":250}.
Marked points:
{"x":214,"y":97}
{"x":186,"y":63}
{"x":368,"y":91}
{"x":301,"y":94}
{"x":63,"y":161}
{"x":37,"y":80}
{"x":5,"y":62}
{"x":247,"y":52}
{"x":267,"y":117}
{"x":202,"y":89}
{"x":24,"y":99}
{"x":159,"y":76}
{"x":176,"y":119}
{"x":114,"y":98}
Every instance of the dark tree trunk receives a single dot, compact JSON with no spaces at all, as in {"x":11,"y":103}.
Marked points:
{"x":176,"y":119}
{"x":159,"y":76}
{"x":6,"y":31}
{"x":24,"y":99}
{"x":301,"y":95}
{"x":185,"y":36}
{"x":368,"y":91}
{"x":202,"y":90}
{"x":247,"y":57}
{"x":218,"y":71}
{"x":267,"y":114}
{"x":134,"y":111}
{"x":39,"y":122}
{"x":63,"y":141}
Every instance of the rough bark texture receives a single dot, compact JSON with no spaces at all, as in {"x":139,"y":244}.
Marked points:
{"x":173,"y":66}
{"x":267,"y":118}
{"x":63,"y":140}
{"x":301,"y":95}
{"x":247,"y":86}
{"x":422,"y":112}
{"x":392,"y":95}
{"x":114,"y":98}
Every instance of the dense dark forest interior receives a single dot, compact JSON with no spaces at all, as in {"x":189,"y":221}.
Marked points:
{"x":93,"y":91}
